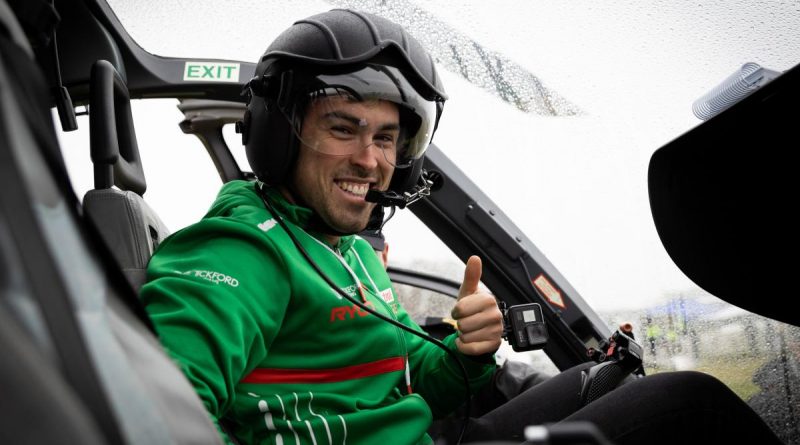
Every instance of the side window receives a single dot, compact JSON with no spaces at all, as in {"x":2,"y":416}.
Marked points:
{"x":424,"y":306}
{"x":181,"y":178}
{"x":413,"y":246}
{"x":756,"y":357}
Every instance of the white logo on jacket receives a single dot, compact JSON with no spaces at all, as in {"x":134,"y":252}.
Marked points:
{"x":212,"y":276}
{"x":267,"y":225}
{"x":387,"y":295}
{"x":350,"y":290}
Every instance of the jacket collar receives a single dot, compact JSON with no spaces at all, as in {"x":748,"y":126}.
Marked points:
{"x":303,"y":217}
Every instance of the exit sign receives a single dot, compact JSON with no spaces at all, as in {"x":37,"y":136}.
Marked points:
{"x":211,"y":72}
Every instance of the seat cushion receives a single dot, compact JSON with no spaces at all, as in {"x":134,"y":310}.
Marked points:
{"x":129,"y":227}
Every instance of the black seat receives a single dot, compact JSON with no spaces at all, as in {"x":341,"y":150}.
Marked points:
{"x":80,"y":361}
{"x":130,"y":228}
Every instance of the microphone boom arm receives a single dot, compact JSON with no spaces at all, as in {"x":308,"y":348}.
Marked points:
{"x":390,"y":198}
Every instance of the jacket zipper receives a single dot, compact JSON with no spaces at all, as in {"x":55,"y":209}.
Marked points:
{"x":401,"y":338}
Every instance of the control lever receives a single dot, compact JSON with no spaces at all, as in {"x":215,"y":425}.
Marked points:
{"x":617,"y":358}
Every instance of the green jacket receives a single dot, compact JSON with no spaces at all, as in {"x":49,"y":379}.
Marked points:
{"x":271,"y":348}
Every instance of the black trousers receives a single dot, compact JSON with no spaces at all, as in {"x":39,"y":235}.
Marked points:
{"x":682,"y":407}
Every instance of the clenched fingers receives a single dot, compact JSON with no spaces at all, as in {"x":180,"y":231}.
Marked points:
{"x":480,"y":324}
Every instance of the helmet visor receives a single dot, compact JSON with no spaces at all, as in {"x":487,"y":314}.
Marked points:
{"x":373,"y":107}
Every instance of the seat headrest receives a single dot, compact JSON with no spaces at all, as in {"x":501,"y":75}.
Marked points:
{"x":114,"y":150}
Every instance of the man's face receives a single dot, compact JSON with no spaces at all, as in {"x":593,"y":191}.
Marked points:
{"x":363,"y":136}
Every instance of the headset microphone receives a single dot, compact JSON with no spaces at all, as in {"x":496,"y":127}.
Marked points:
{"x":390,"y":198}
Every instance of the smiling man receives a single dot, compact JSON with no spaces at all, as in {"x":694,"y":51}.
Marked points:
{"x":347,"y":148}
{"x":310,"y":345}
{"x":286,"y":323}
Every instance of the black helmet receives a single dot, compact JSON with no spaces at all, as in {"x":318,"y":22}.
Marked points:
{"x":343,"y":50}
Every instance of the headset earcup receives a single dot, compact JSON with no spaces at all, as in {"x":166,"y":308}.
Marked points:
{"x":271,"y":145}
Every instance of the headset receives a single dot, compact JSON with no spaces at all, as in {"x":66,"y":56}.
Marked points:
{"x":336,"y":42}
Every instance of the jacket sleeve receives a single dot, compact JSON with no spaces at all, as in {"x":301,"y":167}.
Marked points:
{"x":436,"y":374}
{"x":217,"y":296}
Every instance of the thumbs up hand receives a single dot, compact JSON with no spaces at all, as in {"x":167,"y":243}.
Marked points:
{"x":478,"y":319}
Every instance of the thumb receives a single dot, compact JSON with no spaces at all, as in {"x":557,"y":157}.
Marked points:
{"x":472,"y":277}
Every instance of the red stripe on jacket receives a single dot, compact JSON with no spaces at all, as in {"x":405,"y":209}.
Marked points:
{"x":274,"y":375}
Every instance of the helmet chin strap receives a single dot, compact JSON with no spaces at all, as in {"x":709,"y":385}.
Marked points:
{"x":376,"y":218}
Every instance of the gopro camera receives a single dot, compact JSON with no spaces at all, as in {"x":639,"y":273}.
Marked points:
{"x":523,"y":326}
